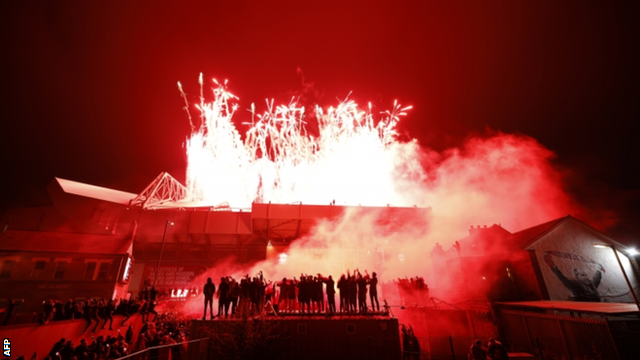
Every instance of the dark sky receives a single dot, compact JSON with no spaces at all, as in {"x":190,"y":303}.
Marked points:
{"x":89,"y":87}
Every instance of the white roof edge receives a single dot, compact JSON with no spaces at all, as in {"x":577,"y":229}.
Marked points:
{"x":95,"y":192}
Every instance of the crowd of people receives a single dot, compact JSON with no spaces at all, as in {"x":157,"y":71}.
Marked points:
{"x":410,"y":344}
{"x":165,"y":329}
{"x":248,"y":293}
{"x":96,"y":311}
{"x":412,"y":290}
{"x":99,"y":348}
{"x":91,"y":310}
{"x":306,"y":294}
{"x":494,"y":350}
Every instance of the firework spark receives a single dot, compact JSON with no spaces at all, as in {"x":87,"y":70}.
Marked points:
{"x":356,"y":159}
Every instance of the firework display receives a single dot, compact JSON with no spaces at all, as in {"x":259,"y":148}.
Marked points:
{"x":356,"y":159}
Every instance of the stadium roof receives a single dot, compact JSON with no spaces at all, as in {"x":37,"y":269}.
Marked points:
{"x":95,"y":192}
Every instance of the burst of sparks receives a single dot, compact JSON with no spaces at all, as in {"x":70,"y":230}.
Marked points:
{"x":353,"y":161}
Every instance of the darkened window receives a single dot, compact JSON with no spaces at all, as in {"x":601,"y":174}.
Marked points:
{"x":89,"y":271}
{"x":102,"y":272}
{"x":60,"y":270}
{"x":38,"y":267}
{"x":7,"y":268}
{"x":351,"y":328}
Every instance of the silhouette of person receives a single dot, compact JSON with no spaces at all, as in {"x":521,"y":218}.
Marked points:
{"x":223,"y":297}
{"x":208,"y":291}
{"x":373,"y":290}
{"x":361,"y":284}
{"x":496,"y":350}
{"x":11,"y":304}
{"x":476,"y":352}
{"x":331,"y":294}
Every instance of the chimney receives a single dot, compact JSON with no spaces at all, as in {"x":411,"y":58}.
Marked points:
{"x":475,"y":230}
{"x":437,"y":250}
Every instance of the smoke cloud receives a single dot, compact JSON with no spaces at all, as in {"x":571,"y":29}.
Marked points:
{"x":502,"y":178}
{"x":403,"y":198}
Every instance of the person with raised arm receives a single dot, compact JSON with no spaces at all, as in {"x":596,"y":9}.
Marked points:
{"x":361,"y":283}
{"x":330,"y":291}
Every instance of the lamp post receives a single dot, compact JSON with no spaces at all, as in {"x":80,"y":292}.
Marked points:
{"x":626,"y":278}
{"x":155,"y":276}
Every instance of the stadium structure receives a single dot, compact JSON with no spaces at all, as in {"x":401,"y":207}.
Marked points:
{"x":180,"y":238}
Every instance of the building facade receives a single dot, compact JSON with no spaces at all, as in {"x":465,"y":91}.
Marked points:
{"x":38,"y":266}
{"x":556,"y":260}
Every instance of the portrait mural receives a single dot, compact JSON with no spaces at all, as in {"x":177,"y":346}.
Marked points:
{"x":583,"y":286}
{"x":574,"y":270}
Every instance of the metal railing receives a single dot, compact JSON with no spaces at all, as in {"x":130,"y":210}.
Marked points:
{"x":192,"y":350}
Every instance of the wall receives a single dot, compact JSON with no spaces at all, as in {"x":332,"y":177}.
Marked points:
{"x":72,"y":286}
{"x":322,"y":338}
{"x":438,"y":330}
{"x":570,"y":246}
{"x":526,"y":283}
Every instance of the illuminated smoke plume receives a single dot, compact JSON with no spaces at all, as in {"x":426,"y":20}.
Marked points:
{"x":502,"y":178}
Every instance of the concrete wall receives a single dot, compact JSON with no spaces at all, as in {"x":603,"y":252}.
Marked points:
{"x":321,"y":338}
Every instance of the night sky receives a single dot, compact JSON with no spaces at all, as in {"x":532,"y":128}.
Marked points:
{"x":89,"y":87}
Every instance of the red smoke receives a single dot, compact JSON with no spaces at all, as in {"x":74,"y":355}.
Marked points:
{"x":502,"y":178}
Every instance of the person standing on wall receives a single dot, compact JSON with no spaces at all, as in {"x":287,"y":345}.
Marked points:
{"x":373,"y":290}
{"x":208,"y":291}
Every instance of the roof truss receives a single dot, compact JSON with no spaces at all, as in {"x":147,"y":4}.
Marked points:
{"x":162,"y":190}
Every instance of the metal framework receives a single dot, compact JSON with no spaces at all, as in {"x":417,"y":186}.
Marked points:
{"x":162,"y":190}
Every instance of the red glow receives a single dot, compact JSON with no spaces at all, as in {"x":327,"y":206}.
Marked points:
{"x":503,"y":178}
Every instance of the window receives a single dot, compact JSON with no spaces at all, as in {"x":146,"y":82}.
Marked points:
{"x":7,"y":267}
{"x":89,"y":271}
{"x":38,"y":268}
{"x":60,"y":270}
{"x":102,"y":273}
{"x":351,"y":328}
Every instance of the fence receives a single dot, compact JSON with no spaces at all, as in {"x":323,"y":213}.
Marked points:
{"x":446,"y":334}
{"x":188,"y":350}
{"x":562,"y":337}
